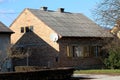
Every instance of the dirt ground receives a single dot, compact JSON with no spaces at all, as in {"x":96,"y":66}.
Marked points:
{"x":96,"y":77}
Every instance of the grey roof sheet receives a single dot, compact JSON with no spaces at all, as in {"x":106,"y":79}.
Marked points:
{"x":4,"y":28}
{"x":70,"y":24}
{"x":29,"y":39}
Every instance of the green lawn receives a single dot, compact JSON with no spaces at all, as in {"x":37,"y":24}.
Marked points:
{"x":102,"y":71}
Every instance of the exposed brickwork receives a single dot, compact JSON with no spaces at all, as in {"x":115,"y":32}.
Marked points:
{"x":52,"y":54}
{"x":78,"y":62}
{"x":42,"y":30}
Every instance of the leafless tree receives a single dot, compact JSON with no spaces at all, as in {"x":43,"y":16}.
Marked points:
{"x":107,"y":12}
{"x":112,"y":60}
{"x":14,"y":52}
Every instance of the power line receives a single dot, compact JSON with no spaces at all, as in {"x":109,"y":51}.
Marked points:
{"x":7,"y":18}
{"x":9,"y":12}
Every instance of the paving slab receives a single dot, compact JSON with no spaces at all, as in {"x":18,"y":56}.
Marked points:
{"x":97,"y":77}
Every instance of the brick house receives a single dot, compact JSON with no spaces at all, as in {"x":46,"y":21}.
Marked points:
{"x":116,"y":29}
{"x":57,"y":39}
{"x":5,"y":34}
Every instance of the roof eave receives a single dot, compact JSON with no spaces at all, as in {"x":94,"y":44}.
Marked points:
{"x":7,"y":32}
{"x":86,"y":36}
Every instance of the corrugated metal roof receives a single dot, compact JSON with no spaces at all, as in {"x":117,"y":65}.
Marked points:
{"x":4,"y":28}
{"x":70,"y":24}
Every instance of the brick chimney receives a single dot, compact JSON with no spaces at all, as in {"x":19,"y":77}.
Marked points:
{"x":43,"y":8}
{"x":61,"y":10}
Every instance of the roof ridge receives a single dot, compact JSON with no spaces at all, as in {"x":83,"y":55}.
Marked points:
{"x":53,"y":11}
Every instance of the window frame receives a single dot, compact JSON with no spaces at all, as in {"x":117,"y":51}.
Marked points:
{"x":74,"y":51}
{"x":22,"y":30}
{"x":83,"y":51}
{"x":31,"y":28}
{"x":27,"y":29}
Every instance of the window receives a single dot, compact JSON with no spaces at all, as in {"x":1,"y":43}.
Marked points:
{"x":31,"y":28}
{"x":86,"y":52}
{"x":27,"y":29}
{"x":74,"y":51}
{"x":22,"y":29}
{"x":94,"y":51}
{"x":83,"y":51}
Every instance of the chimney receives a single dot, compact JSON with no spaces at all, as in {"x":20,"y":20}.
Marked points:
{"x":43,"y":8}
{"x":61,"y":10}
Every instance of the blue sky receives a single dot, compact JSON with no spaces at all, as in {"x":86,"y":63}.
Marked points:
{"x":10,"y":9}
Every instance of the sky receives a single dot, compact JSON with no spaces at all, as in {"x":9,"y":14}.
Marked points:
{"x":10,"y":9}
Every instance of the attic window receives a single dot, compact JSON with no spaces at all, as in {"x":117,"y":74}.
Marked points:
{"x":22,"y":29}
{"x":27,"y":29}
{"x":31,"y":28}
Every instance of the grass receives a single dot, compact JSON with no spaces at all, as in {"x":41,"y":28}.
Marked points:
{"x":102,"y":71}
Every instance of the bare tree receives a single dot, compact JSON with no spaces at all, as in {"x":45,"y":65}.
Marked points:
{"x":113,"y":48}
{"x":13,"y":52}
{"x":107,"y":12}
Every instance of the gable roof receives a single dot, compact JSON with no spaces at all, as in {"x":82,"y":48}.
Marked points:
{"x":69,"y":24}
{"x":29,"y":39}
{"x":4,"y":29}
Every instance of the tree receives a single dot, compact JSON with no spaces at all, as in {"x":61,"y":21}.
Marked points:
{"x":112,"y":61}
{"x":107,"y":12}
{"x":14,"y":52}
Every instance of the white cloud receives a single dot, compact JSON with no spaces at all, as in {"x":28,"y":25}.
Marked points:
{"x":2,"y":1}
{"x":7,"y":12}
{"x":7,"y":16}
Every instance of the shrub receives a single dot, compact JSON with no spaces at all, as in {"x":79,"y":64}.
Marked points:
{"x":113,"y":60}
